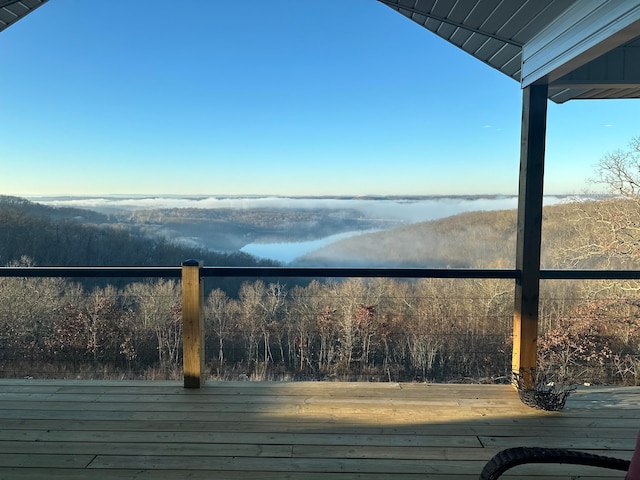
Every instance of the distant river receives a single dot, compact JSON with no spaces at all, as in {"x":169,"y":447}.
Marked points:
{"x":287,"y":252}
{"x":395,"y":209}
{"x":408,"y":211}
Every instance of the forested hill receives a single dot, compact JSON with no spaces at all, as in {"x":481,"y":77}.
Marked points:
{"x":51,"y":236}
{"x":53,"y":213}
{"x":582,"y":234}
{"x":452,"y":242}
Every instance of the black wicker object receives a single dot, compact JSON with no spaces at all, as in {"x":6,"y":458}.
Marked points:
{"x":512,"y":457}
{"x":546,"y":394}
{"x":549,"y":400}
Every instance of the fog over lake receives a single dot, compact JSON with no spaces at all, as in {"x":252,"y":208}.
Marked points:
{"x":394,"y":209}
{"x":411,"y":209}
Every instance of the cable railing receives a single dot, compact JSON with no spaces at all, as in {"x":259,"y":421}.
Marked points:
{"x":192,"y":298}
{"x":313,"y":272}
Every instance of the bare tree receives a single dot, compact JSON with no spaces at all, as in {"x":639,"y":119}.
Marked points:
{"x":157,"y":309}
{"x":606,"y":233}
{"x":221,"y":315}
{"x":250,"y":298}
{"x":29,"y":309}
{"x":619,"y":171}
{"x":306,"y":304}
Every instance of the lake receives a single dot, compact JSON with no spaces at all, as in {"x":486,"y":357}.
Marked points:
{"x":395,"y":210}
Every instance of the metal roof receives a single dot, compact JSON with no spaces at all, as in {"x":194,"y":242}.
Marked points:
{"x":13,"y":10}
{"x":495,"y":32}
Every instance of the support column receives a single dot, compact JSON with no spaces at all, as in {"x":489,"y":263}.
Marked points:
{"x":529,"y":233}
{"x":192,"y":324}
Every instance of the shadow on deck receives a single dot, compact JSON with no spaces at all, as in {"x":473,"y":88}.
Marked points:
{"x":58,"y":429}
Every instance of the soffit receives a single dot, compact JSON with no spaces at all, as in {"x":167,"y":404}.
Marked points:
{"x":13,"y":10}
{"x":494,"y":32}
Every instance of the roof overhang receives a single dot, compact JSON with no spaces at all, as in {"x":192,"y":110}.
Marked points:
{"x":582,"y":49}
{"x":13,"y":10}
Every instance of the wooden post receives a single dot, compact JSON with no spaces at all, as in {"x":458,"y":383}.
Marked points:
{"x":192,"y":324}
{"x":529,"y":233}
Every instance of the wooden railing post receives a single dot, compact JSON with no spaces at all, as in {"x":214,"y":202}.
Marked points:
{"x":529,"y":233}
{"x":192,"y":324}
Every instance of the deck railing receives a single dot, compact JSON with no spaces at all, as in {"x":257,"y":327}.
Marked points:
{"x":192,"y":272}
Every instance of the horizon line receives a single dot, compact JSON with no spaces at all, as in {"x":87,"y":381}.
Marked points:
{"x":305,"y":196}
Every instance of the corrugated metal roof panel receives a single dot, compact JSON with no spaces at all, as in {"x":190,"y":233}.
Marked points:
{"x":536,"y":15}
{"x":505,"y":55}
{"x":560,"y":95}
{"x":13,"y":10}
{"x":494,"y":31}
{"x":504,"y":19}
{"x":444,"y":30}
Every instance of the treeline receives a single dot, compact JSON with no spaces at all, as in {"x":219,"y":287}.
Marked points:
{"x":63,"y":213}
{"x":50,"y":236}
{"x":379,"y":329}
{"x":467,"y":240}
{"x":580,"y":234}
{"x":439,"y":330}
{"x":232,"y":228}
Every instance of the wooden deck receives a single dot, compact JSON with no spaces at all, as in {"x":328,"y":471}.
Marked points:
{"x":330,"y":431}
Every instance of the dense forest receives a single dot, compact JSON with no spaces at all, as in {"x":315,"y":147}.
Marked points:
{"x":373,"y":329}
{"x":232,"y":228}
{"x":378,"y":329}
{"x":71,"y":236}
{"x":574,"y":235}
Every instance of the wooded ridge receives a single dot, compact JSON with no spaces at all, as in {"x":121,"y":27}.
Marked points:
{"x":377,"y":329}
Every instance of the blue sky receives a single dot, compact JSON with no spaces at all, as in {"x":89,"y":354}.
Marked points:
{"x":281,"y":97}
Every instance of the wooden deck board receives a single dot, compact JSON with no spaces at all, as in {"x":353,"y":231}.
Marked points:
{"x":309,"y":430}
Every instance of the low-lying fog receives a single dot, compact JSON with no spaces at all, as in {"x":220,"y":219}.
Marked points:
{"x":395,"y":209}
{"x":412,"y":209}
